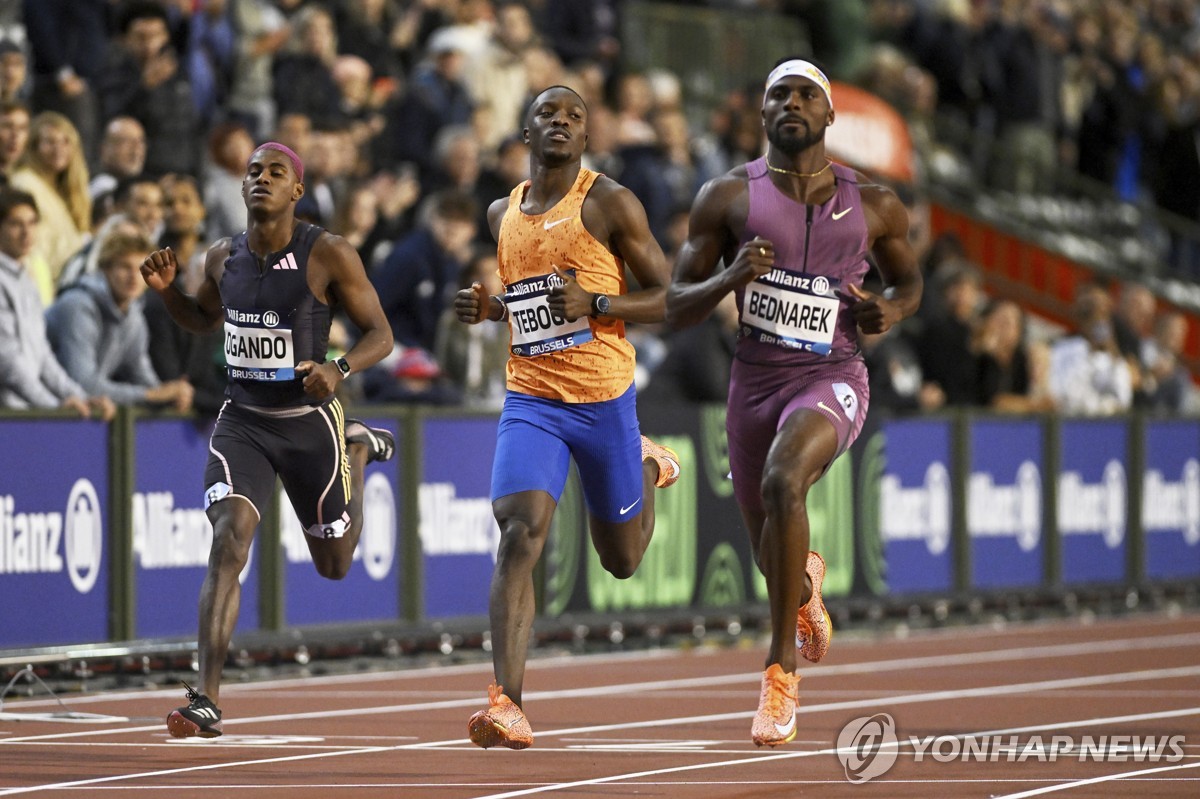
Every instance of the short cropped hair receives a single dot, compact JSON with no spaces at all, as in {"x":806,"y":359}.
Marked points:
{"x":118,"y":245}
{"x":11,"y":198}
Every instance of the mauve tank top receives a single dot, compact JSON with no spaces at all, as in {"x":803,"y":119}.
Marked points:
{"x":799,"y":314}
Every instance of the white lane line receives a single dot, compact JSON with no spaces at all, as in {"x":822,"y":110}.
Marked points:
{"x":915,"y":698}
{"x":891,"y":665}
{"x":1044,"y":651}
{"x":750,"y":758}
{"x":934,"y":696}
{"x":1067,"y":786}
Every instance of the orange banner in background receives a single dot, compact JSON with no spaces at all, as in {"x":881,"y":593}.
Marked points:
{"x":869,"y":134}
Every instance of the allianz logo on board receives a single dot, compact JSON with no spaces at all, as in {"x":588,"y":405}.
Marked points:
{"x":920,"y":512}
{"x":377,"y":542}
{"x":165,"y":536}
{"x":1170,"y":505}
{"x":996,"y":510}
{"x":170,"y":537}
{"x":51,"y":542}
{"x":456,"y":526}
{"x":1088,"y":508}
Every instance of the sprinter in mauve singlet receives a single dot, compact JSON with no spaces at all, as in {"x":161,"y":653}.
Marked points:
{"x":794,"y":230}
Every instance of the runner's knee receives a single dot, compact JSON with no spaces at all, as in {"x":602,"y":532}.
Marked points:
{"x":620,"y":564}
{"x":783,"y":492}
{"x":519,"y":542}
{"x":333,"y":567}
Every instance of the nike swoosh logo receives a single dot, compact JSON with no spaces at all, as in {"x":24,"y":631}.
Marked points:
{"x":827,"y":410}
{"x":786,"y":729}
{"x":839,"y":214}
{"x":630,"y":507}
{"x":548,"y":224}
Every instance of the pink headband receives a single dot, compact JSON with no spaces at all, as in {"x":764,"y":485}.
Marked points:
{"x":290,"y":153}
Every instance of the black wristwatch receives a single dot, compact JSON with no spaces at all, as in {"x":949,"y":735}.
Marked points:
{"x":600,"y":304}
{"x":343,"y":366}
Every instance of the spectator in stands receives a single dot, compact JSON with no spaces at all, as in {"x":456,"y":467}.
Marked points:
{"x":370,"y":30}
{"x":99,"y":333}
{"x":1177,"y":187}
{"x":361,"y":101}
{"x":68,"y":44}
{"x":944,"y":343}
{"x":303,"y":71}
{"x":397,"y":193}
{"x":1108,"y":126}
{"x":509,"y":167}
{"x":174,"y":352}
{"x":497,"y":78}
{"x":143,"y":80}
{"x":1004,"y":374}
{"x":419,"y":279}
{"x":296,"y":131}
{"x":945,"y":250}
{"x":262,"y":32}
{"x":325,"y":176}
{"x":54,"y":171}
{"x":30,"y":375}
{"x":14,"y":136}
{"x":122,"y":156}
{"x":582,"y":30}
{"x":138,"y":210}
{"x":14,"y":73}
{"x":1133,"y":327}
{"x":1029,"y":50}
{"x":601,"y":154}
{"x":456,"y":160}
{"x":210,"y":55}
{"x":229,"y":148}
{"x":436,"y":97}
{"x":894,"y":373}
{"x":1087,"y":373}
{"x":357,"y":218}
{"x":474,"y":358}
{"x":141,"y":199}
{"x":1169,"y":383}
{"x":697,"y":363}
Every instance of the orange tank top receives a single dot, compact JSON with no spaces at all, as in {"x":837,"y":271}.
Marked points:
{"x":588,"y":360}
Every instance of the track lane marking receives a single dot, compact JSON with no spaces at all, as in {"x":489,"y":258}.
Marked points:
{"x":929,"y":696}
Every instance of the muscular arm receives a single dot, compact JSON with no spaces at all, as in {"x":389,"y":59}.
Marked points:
{"x":614,"y":207}
{"x":887,"y":224}
{"x":695,"y":290}
{"x":348,"y":285}
{"x":201,"y":313}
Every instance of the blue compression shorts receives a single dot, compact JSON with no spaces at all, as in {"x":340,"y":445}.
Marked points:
{"x":537,"y":438}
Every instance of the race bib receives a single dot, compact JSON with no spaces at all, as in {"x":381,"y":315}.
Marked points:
{"x":536,"y":330}
{"x":256,"y":348}
{"x":790,"y":310}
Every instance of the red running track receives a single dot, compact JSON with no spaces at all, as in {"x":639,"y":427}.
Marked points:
{"x":675,"y":724}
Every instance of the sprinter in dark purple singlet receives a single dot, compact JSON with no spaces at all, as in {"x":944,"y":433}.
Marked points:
{"x":793,"y":230}
{"x":273,"y":288}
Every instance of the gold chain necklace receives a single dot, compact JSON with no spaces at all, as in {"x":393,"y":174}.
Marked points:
{"x":828,"y":163}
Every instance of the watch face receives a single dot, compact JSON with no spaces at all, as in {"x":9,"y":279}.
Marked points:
{"x":343,"y":365}
{"x":602,"y":304}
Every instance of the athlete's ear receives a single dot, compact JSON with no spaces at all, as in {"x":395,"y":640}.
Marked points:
{"x":297,"y":192}
{"x":831,"y":117}
{"x":525,"y":135}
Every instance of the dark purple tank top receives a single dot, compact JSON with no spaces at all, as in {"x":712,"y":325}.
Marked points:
{"x":272,"y":321}
{"x":799,"y":314}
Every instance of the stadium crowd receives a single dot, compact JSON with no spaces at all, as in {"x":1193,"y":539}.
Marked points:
{"x":125,"y":125}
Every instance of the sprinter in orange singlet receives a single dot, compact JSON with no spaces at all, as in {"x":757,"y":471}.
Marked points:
{"x":565,"y":237}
